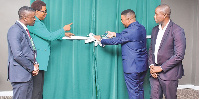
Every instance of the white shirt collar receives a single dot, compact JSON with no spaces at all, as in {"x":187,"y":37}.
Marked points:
{"x":159,"y":40}
{"x":160,"y":27}
{"x":22,"y":25}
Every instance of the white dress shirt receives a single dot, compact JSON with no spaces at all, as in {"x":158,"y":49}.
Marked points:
{"x":23,"y":26}
{"x":158,"y":40}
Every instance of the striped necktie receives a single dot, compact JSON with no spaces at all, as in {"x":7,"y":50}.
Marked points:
{"x":32,"y":44}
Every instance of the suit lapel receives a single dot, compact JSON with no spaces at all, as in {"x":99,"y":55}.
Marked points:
{"x":26,"y":35}
{"x":154,"y":40}
{"x":165,"y":34}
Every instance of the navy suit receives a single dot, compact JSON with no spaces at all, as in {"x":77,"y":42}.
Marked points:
{"x":134,"y":57}
{"x":20,"y":61}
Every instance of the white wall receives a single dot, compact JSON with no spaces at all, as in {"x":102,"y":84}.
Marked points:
{"x":8,"y":15}
{"x":185,"y":13}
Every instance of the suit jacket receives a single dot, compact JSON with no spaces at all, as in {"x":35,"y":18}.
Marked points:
{"x":170,"y":53}
{"x":20,"y":54}
{"x":42,"y":37}
{"x":133,"y":44}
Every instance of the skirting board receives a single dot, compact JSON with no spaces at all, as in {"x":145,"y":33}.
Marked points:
{"x":188,"y":86}
{"x":10,"y":93}
{"x":6,"y":93}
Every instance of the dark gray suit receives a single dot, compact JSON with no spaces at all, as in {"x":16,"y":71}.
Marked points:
{"x":20,"y":61}
{"x":170,"y":55}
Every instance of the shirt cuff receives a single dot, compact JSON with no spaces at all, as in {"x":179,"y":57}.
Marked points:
{"x":151,"y":65}
{"x":34,"y":66}
{"x":117,"y":34}
{"x":161,"y":67}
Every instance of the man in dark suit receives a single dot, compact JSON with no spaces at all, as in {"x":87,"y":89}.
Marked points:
{"x":166,"y":52}
{"x":134,"y":54}
{"x":21,"y":55}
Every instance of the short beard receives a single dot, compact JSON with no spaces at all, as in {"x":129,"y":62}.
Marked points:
{"x":125,"y":26}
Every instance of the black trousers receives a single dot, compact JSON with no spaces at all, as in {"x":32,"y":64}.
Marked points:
{"x":38,"y":82}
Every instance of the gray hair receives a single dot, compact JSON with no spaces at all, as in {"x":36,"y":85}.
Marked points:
{"x":24,"y":10}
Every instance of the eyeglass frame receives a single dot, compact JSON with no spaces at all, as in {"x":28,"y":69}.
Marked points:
{"x":43,"y":11}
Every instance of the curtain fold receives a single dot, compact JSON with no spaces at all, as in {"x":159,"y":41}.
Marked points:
{"x":81,"y":71}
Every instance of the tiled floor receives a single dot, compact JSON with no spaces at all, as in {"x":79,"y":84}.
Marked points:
{"x":181,"y":94}
{"x":187,"y":94}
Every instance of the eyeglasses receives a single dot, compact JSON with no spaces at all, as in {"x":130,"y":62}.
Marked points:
{"x":43,"y":11}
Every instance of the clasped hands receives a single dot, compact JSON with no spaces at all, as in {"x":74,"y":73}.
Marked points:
{"x":36,"y":70}
{"x":109,"y":35}
{"x":154,"y":70}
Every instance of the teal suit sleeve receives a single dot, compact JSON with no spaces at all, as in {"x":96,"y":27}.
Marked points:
{"x":41,"y":31}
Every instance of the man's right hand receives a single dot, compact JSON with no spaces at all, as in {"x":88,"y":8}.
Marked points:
{"x":36,"y":70}
{"x":67,"y":27}
{"x":34,"y":73}
{"x":97,"y":37}
{"x":111,"y":34}
{"x":36,"y":67}
{"x":154,"y":75}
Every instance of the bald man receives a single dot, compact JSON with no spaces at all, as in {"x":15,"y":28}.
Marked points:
{"x":166,"y":52}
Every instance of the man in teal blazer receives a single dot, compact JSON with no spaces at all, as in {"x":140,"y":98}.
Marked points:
{"x":42,"y":37}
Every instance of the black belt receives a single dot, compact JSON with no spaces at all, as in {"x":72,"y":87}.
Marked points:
{"x":156,"y":65}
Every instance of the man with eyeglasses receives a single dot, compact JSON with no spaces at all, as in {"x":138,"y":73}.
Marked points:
{"x":42,"y":37}
{"x":134,"y":53}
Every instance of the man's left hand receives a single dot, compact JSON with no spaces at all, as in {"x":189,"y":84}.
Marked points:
{"x":111,"y":34}
{"x":97,"y":37}
{"x":68,"y":34}
{"x":155,"y":69}
{"x":36,"y":67}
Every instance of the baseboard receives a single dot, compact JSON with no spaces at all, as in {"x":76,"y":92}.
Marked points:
{"x":188,"y":86}
{"x":10,"y":93}
{"x":6,"y":93}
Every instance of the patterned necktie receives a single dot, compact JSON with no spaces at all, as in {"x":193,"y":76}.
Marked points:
{"x":31,"y":39}
{"x":28,"y":33}
{"x":31,"y":43}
